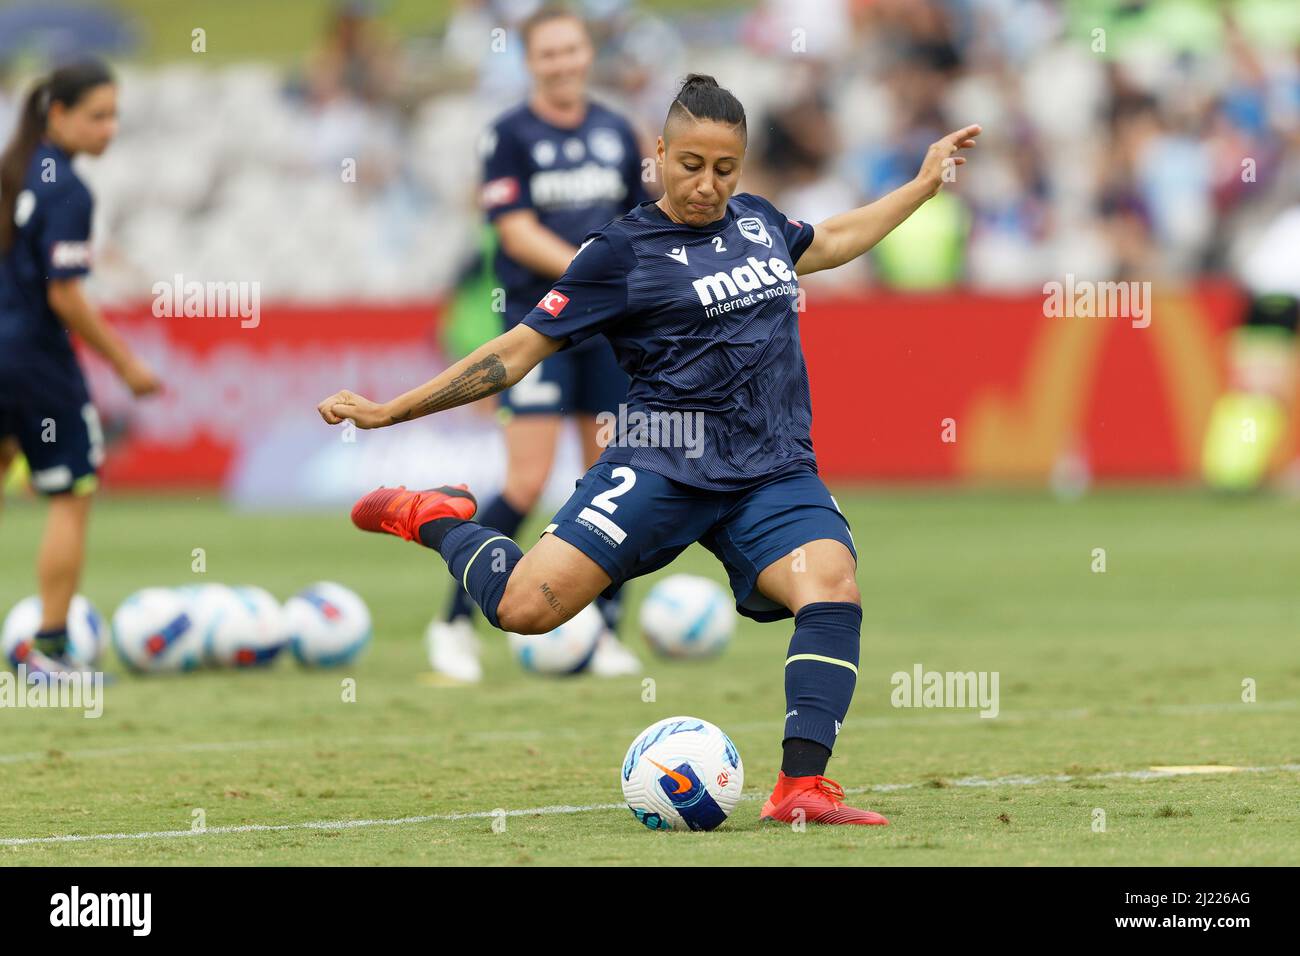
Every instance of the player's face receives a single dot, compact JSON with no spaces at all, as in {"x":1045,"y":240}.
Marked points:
{"x":700,"y":167}
{"x":559,"y":59}
{"x":90,"y":125}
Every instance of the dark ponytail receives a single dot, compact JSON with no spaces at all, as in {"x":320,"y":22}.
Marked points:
{"x":66,"y":85}
{"x":700,"y":98}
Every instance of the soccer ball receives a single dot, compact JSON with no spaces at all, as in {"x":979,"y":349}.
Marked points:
{"x":236,"y":627}
{"x":687,"y":616}
{"x":85,"y":631}
{"x":682,"y":773}
{"x":246,"y":625}
{"x":153,"y":632}
{"x":328,"y":625}
{"x":565,"y":650}
{"x":207,"y":605}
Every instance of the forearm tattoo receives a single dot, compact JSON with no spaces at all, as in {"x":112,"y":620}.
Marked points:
{"x":485,"y":377}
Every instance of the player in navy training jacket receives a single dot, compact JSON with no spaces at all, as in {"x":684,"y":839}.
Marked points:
{"x":45,"y":407}
{"x":555,"y":168}
{"x":697,"y":293}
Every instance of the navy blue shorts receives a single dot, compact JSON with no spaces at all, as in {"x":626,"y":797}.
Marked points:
{"x":632,"y":522}
{"x":62,"y":441}
{"x":583,"y":380}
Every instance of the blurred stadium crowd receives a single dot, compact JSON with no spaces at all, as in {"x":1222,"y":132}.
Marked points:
{"x":1133,"y":138}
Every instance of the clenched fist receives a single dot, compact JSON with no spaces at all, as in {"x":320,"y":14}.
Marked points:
{"x":353,"y":407}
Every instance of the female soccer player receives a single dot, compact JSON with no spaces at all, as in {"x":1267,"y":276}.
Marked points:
{"x":696,"y":292}
{"x":45,"y":214}
{"x":556,"y":167}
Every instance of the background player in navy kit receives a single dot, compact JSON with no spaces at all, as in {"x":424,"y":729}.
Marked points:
{"x":45,"y":408}
{"x":697,"y":294}
{"x":556,"y":168}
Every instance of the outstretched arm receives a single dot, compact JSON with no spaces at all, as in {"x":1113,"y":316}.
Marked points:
{"x":68,"y":300}
{"x":843,"y":238}
{"x":489,"y":369}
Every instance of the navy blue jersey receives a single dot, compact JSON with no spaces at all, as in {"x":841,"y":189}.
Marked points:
{"x":575,"y":179}
{"x":52,"y":215}
{"x":704,"y":321}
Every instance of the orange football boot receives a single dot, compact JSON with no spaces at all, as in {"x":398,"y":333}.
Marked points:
{"x":820,"y":798}
{"x":401,"y":512}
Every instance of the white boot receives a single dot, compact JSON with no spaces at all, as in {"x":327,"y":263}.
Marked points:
{"x":612,"y":659}
{"x":454,"y":649}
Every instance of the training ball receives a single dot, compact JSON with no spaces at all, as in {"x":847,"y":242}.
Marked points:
{"x":685,"y":615}
{"x":85,"y":631}
{"x":153,"y":632}
{"x":208,"y":605}
{"x":565,"y":650}
{"x":237,"y":627}
{"x":328,"y":624}
{"x":682,"y":773}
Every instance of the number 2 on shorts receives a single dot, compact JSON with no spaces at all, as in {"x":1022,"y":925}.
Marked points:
{"x":626,"y":479}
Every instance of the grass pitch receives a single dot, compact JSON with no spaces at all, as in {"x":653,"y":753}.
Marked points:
{"x":1102,"y":677}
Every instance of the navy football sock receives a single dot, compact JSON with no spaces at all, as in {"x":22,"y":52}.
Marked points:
{"x":611,"y":609}
{"x":432,"y":532}
{"x":460,"y":606}
{"x":480,"y":558}
{"x":498,"y":514}
{"x":821,"y":670}
{"x":52,"y":642}
{"x":803,"y":758}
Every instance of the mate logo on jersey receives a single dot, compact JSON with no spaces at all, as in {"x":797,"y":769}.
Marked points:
{"x":755,"y":280}
{"x":588,"y":183}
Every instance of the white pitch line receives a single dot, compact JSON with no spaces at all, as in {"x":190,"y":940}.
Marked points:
{"x":217,"y":745}
{"x":884,"y":721}
{"x":1019,"y":780}
{"x":312,"y":825}
{"x":1029,"y":781}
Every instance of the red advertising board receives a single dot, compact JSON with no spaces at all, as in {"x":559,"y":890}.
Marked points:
{"x":905,"y":386}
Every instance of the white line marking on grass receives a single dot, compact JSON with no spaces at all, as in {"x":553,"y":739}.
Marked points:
{"x":1019,"y":780}
{"x":216,"y":745}
{"x":543,"y":733}
{"x":1029,"y":781}
{"x":312,"y":825}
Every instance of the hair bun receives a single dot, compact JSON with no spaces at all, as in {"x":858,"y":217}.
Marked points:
{"x":696,"y":81}
{"x":701,"y":98}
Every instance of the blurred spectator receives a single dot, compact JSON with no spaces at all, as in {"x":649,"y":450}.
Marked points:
{"x":356,"y":58}
{"x":1122,"y":137}
{"x":640,"y":59}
